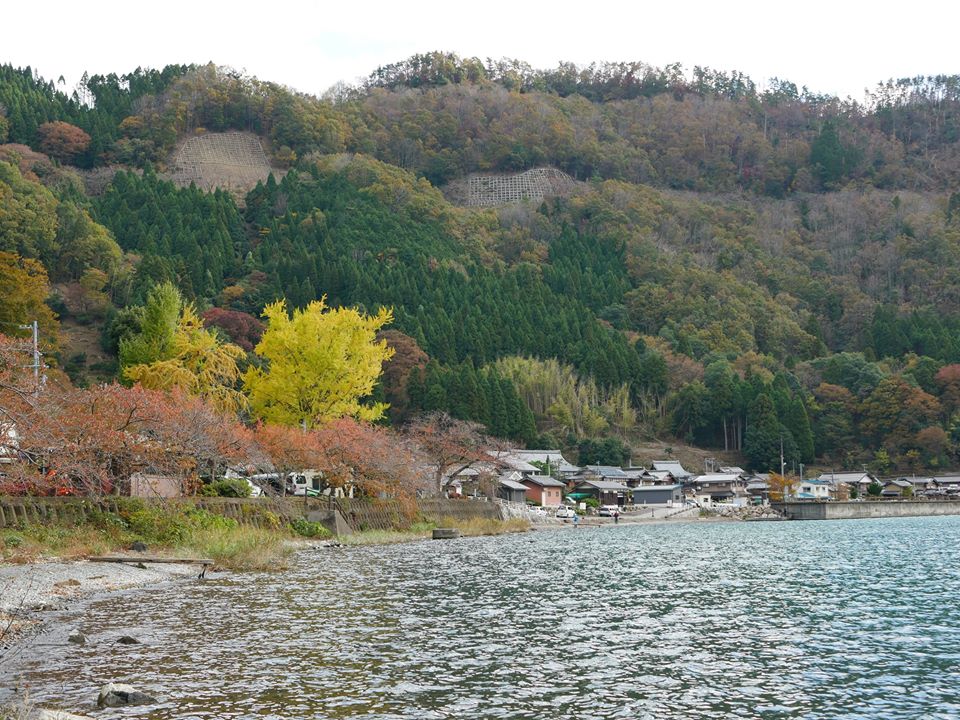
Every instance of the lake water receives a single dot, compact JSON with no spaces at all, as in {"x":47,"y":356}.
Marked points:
{"x":844,"y":619}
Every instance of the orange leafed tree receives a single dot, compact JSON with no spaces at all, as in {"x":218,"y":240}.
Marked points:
{"x":376,"y":460}
{"x":781,"y":485}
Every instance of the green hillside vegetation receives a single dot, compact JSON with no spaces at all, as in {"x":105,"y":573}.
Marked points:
{"x":739,"y":267}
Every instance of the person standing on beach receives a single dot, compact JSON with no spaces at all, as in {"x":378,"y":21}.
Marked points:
{"x":616,"y":516}
{"x":576,"y":521}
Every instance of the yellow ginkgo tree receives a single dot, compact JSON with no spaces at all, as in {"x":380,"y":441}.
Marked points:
{"x":319,"y":365}
{"x":197,"y":362}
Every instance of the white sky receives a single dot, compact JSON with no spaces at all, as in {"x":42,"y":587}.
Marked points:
{"x":836,"y":47}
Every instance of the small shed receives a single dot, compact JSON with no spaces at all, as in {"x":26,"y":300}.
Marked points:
{"x":511,"y":489}
{"x":657,"y":495}
{"x":896,"y":488}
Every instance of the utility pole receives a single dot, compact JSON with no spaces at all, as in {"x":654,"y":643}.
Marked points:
{"x":783,"y":474}
{"x":34,"y":329}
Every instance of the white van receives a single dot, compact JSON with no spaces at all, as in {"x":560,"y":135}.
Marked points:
{"x":305,"y":482}
{"x":312,"y":482}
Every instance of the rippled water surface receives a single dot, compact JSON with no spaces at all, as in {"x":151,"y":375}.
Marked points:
{"x":854,"y":619}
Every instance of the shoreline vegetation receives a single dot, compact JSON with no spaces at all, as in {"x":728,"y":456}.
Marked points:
{"x":184,"y":530}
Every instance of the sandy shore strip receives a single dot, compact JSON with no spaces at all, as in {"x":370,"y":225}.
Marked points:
{"x":50,"y":584}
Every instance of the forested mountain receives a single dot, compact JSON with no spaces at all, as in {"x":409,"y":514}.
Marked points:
{"x":737,"y":265}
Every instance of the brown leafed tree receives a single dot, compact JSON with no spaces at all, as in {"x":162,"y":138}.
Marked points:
{"x":62,"y":141}
{"x":407,"y":357}
{"x":447,"y":444}
{"x":242,"y":328}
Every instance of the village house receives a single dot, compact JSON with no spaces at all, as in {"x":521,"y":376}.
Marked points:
{"x":508,"y":460}
{"x":922,"y":485}
{"x":602,"y":472}
{"x":543,"y":490}
{"x":662,"y":477}
{"x":858,"y":481}
{"x":948,"y":484}
{"x":547,"y":462}
{"x":758,"y":488}
{"x":815,"y":489}
{"x":719,"y":488}
{"x":897,"y":488}
{"x":605,"y":492}
{"x":637,"y":476}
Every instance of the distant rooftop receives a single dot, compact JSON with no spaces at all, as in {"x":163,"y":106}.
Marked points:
{"x":603,"y":485}
{"x":671,"y":466}
{"x":607,"y":471}
{"x":543,"y":481}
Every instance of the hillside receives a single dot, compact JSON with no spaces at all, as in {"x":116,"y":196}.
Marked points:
{"x":617,"y":252}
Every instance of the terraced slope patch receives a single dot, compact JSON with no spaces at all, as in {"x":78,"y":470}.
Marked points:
{"x":494,"y":190}
{"x":233,"y":161}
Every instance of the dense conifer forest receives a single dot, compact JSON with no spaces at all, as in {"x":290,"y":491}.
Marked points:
{"x":738,"y":267}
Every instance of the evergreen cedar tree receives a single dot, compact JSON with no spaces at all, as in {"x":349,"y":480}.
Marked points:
{"x":831,"y":302}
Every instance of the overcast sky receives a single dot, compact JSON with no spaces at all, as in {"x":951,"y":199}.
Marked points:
{"x":829,"y":46}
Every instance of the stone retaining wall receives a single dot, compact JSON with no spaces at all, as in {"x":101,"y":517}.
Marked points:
{"x":853,"y":510}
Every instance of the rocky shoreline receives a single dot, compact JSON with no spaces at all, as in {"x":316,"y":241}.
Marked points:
{"x":29,"y":591}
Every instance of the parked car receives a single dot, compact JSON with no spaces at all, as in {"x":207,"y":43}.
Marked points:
{"x":537,"y":510}
{"x":255,"y":490}
{"x":565,"y":512}
{"x":608,"y":510}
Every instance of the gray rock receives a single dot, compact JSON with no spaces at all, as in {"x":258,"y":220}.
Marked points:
{"x":127,"y":640}
{"x":77,"y":638}
{"x":139,"y":546}
{"x":120,"y":694}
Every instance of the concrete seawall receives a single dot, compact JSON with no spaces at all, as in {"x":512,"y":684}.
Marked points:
{"x":856,"y":510}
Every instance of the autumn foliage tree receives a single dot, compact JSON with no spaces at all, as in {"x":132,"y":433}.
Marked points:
{"x":242,"y":328}
{"x":24,"y":289}
{"x":90,"y":440}
{"x":199,"y":364}
{"x":320,"y":365}
{"x":782,"y":486}
{"x":448,"y":445}
{"x":62,"y":141}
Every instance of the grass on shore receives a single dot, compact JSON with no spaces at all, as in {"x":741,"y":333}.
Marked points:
{"x":167,"y":530}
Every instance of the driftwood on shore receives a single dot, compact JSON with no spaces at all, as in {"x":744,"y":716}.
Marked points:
{"x":136,"y":559}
